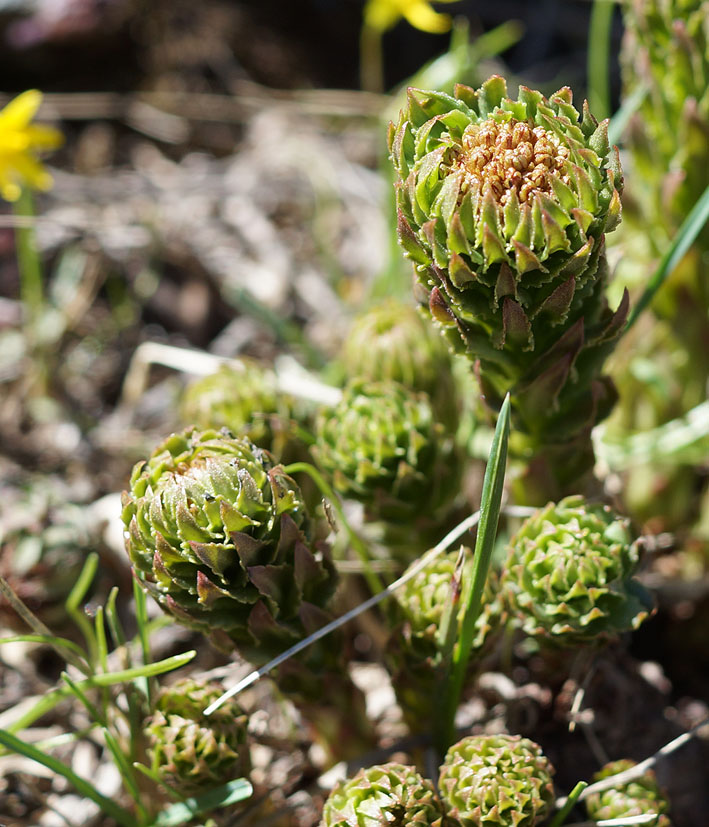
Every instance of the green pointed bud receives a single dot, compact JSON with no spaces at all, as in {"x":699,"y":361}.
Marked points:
{"x":190,"y":751}
{"x":568,"y":576}
{"x":641,"y":796}
{"x":220,"y":537}
{"x":382,"y":796}
{"x":500,"y":780}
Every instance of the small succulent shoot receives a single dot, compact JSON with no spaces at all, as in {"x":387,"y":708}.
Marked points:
{"x":502,"y":207}
{"x":393,"y":342}
{"x":568,"y":576}
{"x":640,"y":796}
{"x":381,"y":796}
{"x":219,"y":535}
{"x":501,"y":780}
{"x":190,"y":751}
{"x":245,"y":400}
{"x":416,"y":649}
{"x":382,"y":445}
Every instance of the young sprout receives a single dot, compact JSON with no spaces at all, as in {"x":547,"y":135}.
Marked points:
{"x":641,"y":796}
{"x":382,"y":445}
{"x":189,"y":751}
{"x":568,"y":576}
{"x":500,"y":780}
{"x":381,"y":796}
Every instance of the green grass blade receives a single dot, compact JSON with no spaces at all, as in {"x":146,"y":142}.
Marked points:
{"x":101,"y":642}
{"x":560,"y":817}
{"x":149,"y":670}
{"x":40,"y":629}
{"x":94,"y":712}
{"x":599,"y":37}
{"x":141,"y":616}
{"x":76,"y":596}
{"x":687,"y":233}
{"x":127,"y":772}
{"x":233,"y":792}
{"x":114,"y":622}
{"x":120,"y":815}
{"x":473,"y":585}
{"x":628,"y":108}
{"x":50,"y":640}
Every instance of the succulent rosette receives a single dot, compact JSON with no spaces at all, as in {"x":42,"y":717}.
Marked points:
{"x":501,"y":780}
{"x":246,"y":400}
{"x":503,"y":205}
{"x":220,"y":537}
{"x":641,"y":796}
{"x":382,"y":445}
{"x":392,"y":342}
{"x":569,"y":574}
{"x":381,"y":796}
{"x":190,"y":751}
{"x":414,"y":654}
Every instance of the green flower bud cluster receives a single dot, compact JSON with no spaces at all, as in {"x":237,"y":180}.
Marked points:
{"x":383,"y":446}
{"x":190,"y":751}
{"x":219,"y":536}
{"x":245,"y":400}
{"x":381,"y":796}
{"x":641,"y":796}
{"x":502,"y":780}
{"x":414,"y":653}
{"x":503,"y":205}
{"x":392,"y":342}
{"x":569,"y":572}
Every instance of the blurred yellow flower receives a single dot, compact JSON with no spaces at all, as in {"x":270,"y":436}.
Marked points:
{"x":383,"y":14}
{"x":20,"y":141}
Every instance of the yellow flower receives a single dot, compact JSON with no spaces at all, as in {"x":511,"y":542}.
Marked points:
{"x":20,"y":141}
{"x":383,"y":14}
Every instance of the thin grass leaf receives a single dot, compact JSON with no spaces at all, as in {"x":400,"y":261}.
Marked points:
{"x":599,"y":37}
{"x":94,"y":712}
{"x":141,"y":616}
{"x":150,"y":670}
{"x":622,"y":117}
{"x":49,"y":640}
{"x":574,"y":795}
{"x":40,"y":629}
{"x":114,"y":623}
{"x":473,"y":586}
{"x":127,"y":772}
{"x":85,"y":788}
{"x":233,"y":792}
{"x":101,"y":643}
{"x":687,"y":233}
{"x":76,"y":596}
